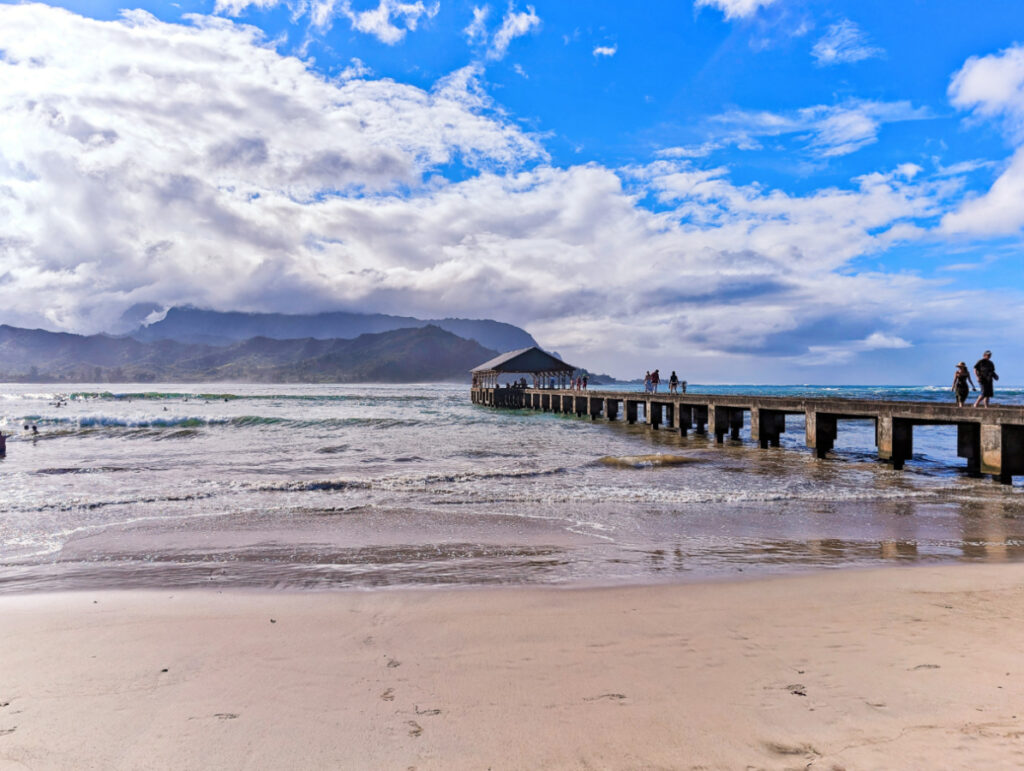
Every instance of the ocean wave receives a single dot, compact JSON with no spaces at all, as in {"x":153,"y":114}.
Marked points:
{"x":226,"y":397}
{"x":100,"y":420}
{"x":646,"y":461}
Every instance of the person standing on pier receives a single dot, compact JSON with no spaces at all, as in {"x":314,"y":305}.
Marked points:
{"x":673,"y":382}
{"x":962,"y":383}
{"x":985,"y":371}
{"x":655,"y":379}
{"x":647,"y":382}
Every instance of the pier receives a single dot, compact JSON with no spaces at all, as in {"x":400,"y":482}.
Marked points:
{"x":990,"y":440}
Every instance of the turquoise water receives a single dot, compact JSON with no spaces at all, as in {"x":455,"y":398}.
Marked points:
{"x":367,"y":487}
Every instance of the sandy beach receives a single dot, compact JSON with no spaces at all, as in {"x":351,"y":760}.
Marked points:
{"x":901,"y":668}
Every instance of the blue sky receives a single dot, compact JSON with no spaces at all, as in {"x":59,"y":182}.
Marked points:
{"x":749,"y":190}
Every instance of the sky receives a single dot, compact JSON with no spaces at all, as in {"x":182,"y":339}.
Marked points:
{"x":744,"y":191}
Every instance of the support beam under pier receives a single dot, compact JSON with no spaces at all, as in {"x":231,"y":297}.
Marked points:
{"x":1002,"y":451}
{"x":766,"y":426}
{"x":611,"y":409}
{"x":895,"y":437}
{"x":821,"y":432}
{"x":722,"y":420}
{"x":630,"y":410}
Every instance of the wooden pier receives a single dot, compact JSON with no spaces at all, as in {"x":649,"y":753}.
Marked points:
{"x":991,"y":440}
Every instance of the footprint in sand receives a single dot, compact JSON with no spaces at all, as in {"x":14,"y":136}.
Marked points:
{"x":392,"y":663}
{"x":924,"y":666}
{"x":388,"y":695}
{"x":415,"y":729}
{"x":5,"y":731}
{"x":426,"y":711}
{"x":609,"y":696}
{"x":797,"y":689}
{"x":226,"y":715}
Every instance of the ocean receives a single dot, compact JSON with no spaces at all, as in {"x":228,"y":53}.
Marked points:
{"x":319,"y":487}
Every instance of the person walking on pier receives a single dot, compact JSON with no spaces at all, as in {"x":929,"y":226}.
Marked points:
{"x":961,"y":381}
{"x":647,"y":382}
{"x":673,"y":382}
{"x":985,"y":371}
{"x":655,"y":379}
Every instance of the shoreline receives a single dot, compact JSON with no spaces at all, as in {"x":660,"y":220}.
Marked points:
{"x":874,"y":668}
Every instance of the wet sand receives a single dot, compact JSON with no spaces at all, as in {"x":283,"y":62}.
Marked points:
{"x":898,"y":668}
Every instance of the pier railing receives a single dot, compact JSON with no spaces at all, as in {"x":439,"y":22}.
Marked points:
{"x":990,"y":439}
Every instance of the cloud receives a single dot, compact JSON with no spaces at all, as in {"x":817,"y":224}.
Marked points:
{"x":992,"y":88}
{"x":825,"y":130}
{"x":843,"y":43}
{"x":514,"y":24}
{"x":734,"y":9}
{"x":194,"y":163}
{"x":608,"y":51}
{"x":476,"y":31}
{"x":388,"y":22}
{"x":356,"y":69}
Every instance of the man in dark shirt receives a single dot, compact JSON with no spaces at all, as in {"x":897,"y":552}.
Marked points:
{"x":985,"y":371}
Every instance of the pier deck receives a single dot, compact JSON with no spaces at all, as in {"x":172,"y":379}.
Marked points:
{"x":991,"y":440}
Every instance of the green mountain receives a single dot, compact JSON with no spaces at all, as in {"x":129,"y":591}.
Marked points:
{"x":421,"y":354}
{"x":196,"y":325}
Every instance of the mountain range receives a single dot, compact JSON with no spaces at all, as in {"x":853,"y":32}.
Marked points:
{"x":187,"y":324}
{"x":417,"y":354}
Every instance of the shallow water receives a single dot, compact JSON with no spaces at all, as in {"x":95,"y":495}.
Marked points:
{"x":397,"y":486}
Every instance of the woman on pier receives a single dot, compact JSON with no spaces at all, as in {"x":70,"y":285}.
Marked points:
{"x":961,"y":381}
{"x":673,"y":382}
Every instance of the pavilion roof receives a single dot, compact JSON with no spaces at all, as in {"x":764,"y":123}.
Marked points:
{"x":525,"y":360}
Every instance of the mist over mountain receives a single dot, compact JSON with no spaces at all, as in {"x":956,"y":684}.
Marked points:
{"x":419,"y":354}
{"x":195,"y":325}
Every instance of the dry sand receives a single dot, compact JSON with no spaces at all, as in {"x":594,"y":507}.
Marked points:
{"x":906,"y":668}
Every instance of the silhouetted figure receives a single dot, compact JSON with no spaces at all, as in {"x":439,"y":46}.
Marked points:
{"x":985,"y":371}
{"x":962,"y":383}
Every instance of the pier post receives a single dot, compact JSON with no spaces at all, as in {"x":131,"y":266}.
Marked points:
{"x":580,"y":403}
{"x":1002,"y":451}
{"x":611,"y":409}
{"x":766,"y":426}
{"x":700,"y":418}
{"x":718,"y":422}
{"x":594,"y":406}
{"x":630,"y":410}
{"x":735,"y":422}
{"x":684,"y":418}
{"x":895,"y":437}
{"x":653,"y":410}
{"x":968,"y":445}
{"x":821,"y":432}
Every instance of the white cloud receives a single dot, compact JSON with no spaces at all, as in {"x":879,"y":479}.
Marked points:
{"x":608,"y":51}
{"x":390,"y":20}
{"x":476,"y":31}
{"x":196,"y":164}
{"x":514,"y":24}
{"x":734,"y":9}
{"x":844,"y":43}
{"x":827,"y":130}
{"x":356,"y":69}
{"x":992,"y":87}
{"x":237,"y":7}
